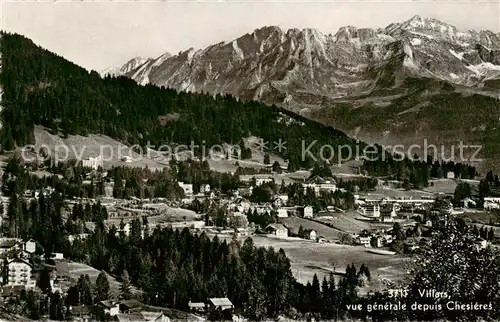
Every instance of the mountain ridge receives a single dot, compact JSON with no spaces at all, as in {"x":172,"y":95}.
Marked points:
{"x":215,"y":68}
{"x":318,"y":75}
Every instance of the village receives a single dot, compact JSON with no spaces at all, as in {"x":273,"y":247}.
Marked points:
{"x":371,"y":232}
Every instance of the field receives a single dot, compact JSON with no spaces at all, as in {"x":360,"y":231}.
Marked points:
{"x":446,"y":186}
{"x":398,"y":193}
{"x":293,"y":223}
{"x":73,"y":270}
{"x":77,"y":146}
{"x":308,"y":258}
{"x":348,"y":222}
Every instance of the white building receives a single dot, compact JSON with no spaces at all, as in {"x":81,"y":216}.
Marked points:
{"x":282,"y":213}
{"x":307,"y":212}
{"x":492,"y":199}
{"x":364,"y":241}
{"x":110,"y":307}
{"x":92,"y":162}
{"x":261,"y":181}
{"x":259,"y":178}
{"x":280,"y":200}
{"x":372,"y":211}
{"x":278,"y":230}
{"x":20,"y":273}
{"x":311,"y":234}
{"x":205,"y":188}
{"x":187,"y":187}
{"x":14,"y":244}
{"x":488,"y":205}
{"x":318,"y":184}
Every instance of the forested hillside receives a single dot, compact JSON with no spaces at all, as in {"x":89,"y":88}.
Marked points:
{"x":42,"y":88}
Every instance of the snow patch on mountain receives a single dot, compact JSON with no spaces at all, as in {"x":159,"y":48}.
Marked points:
{"x":421,"y":34}
{"x":459,"y":56}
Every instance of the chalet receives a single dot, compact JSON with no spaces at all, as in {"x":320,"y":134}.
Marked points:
{"x":110,"y":307}
{"x":28,"y":245}
{"x":57,"y":256}
{"x":155,"y":316}
{"x":196,"y":307}
{"x":221,"y":303}
{"x":306,"y":212}
{"x":81,"y":312}
{"x":364,"y":241}
{"x":23,"y":247}
{"x":387,"y":239}
{"x":450,"y":175}
{"x":280,"y":200}
{"x":241,"y":232}
{"x":282,"y":213}
{"x":311,"y":234}
{"x":278,"y":230}
{"x":130,"y":317}
{"x":130,"y":306}
{"x":205,"y":188}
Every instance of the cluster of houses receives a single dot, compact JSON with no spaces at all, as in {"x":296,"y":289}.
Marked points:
{"x":491,"y":203}
{"x":386,"y":209}
{"x":134,"y":310}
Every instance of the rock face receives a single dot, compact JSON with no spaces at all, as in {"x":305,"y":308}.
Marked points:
{"x":126,"y":68}
{"x":292,"y":66}
{"x":355,"y":79}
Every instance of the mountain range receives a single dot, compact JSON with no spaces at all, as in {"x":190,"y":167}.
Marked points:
{"x":379,"y":85}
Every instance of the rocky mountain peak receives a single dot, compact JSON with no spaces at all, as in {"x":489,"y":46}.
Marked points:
{"x":270,"y":62}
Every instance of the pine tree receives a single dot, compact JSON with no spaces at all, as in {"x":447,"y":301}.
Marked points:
{"x":267,"y":158}
{"x":125,"y":288}
{"x":44,"y":281}
{"x":101,"y":287}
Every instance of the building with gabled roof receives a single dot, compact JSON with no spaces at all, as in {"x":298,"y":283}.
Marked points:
{"x":278,"y":230}
{"x":222,"y":303}
{"x":19,"y":273}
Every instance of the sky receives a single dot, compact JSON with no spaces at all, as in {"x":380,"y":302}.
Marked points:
{"x":101,"y":34}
